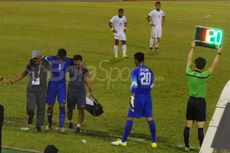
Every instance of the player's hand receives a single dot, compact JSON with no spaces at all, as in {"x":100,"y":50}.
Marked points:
{"x":132,"y":103}
{"x":153,"y":25}
{"x":113,"y":30}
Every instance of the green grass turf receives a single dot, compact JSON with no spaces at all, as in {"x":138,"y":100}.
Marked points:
{"x":82,"y":28}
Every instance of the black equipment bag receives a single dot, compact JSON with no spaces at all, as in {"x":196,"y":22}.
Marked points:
{"x":93,"y":106}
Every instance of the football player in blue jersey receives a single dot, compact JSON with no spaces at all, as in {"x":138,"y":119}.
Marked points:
{"x":57,"y":86}
{"x":142,"y":81}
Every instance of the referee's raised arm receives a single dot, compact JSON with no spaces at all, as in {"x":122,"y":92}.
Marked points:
{"x":216,"y":60}
{"x":190,"y":55}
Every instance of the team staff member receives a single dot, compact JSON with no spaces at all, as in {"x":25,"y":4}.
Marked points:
{"x":36,"y":70}
{"x":196,"y":108}
{"x":79,"y":80}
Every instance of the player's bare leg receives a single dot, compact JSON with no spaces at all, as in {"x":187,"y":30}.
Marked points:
{"x":157,"y":44}
{"x":187,"y":134}
{"x":49,"y":116}
{"x":81,"y":116}
{"x":61,"y":118}
{"x":151,"y":43}
{"x":201,"y":134}
{"x":116,"y":43}
{"x":152,"y":128}
{"x":70,"y":116}
{"x":124,"y":48}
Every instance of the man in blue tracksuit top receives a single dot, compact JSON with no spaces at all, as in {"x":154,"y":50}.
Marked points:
{"x":142,"y":81}
{"x":57,"y":86}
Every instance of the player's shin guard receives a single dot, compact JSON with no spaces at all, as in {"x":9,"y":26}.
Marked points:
{"x":201,"y":135}
{"x":124,"y":48}
{"x":186,"y":136}
{"x":127,"y":130}
{"x":115,"y":49}
{"x":151,"y":42}
{"x":152,"y":128}
{"x":62,"y":117}
{"x":157,"y":43}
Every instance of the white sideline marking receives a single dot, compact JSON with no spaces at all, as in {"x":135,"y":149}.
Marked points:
{"x":20,"y":149}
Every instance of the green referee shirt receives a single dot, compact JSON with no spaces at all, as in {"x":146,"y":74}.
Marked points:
{"x":197,"y":82}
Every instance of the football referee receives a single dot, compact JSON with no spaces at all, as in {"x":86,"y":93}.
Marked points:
{"x":196,"y":107}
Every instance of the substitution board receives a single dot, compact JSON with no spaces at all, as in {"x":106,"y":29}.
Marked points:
{"x":208,"y":37}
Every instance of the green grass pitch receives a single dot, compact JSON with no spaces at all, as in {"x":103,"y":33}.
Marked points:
{"x":82,"y":28}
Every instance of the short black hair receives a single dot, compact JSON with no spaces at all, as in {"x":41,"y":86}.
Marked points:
{"x":51,"y":149}
{"x":157,"y":2}
{"x":120,"y":9}
{"x":61,"y":53}
{"x":139,"y":56}
{"x":77,"y":58}
{"x":200,"y":63}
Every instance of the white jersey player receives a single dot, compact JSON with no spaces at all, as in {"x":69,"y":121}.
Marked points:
{"x":118,"y":25}
{"x":156,"y":19}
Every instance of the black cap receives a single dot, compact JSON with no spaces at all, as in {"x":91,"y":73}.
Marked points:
{"x":51,"y":149}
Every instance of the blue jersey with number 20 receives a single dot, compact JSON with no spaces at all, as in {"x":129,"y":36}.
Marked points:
{"x":142,"y":80}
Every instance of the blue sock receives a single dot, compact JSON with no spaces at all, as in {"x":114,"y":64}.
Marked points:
{"x":152,"y":128}
{"x":62,"y":117}
{"x":127,"y":130}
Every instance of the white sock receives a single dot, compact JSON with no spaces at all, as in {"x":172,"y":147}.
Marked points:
{"x":78,"y":125}
{"x":124,"y":48}
{"x":115,"y":49}
{"x":151,"y":42}
{"x":157,"y":43}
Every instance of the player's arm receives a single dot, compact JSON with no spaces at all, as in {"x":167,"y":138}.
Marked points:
{"x":111,"y":27}
{"x":216,"y":61}
{"x":125,"y":28}
{"x":190,"y":54}
{"x":89,"y":84}
{"x":163,"y":20}
{"x":149,"y":20}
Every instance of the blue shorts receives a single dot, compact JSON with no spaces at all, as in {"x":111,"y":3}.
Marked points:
{"x":56,"y":90}
{"x":142,"y":106}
